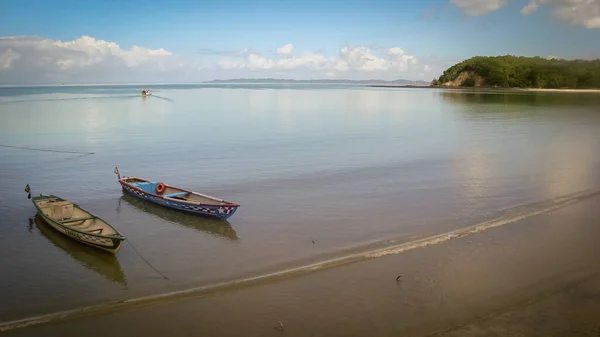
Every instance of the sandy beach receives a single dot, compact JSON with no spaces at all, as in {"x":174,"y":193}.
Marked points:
{"x":535,"y":277}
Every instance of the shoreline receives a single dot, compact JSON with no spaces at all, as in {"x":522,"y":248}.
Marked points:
{"x":536,"y":276}
{"x":596,"y":91}
{"x":509,"y":217}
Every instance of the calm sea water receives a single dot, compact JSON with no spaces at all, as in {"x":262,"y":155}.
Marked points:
{"x":318,"y":171}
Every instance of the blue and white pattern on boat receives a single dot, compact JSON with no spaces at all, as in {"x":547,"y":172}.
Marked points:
{"x":219,"y":211}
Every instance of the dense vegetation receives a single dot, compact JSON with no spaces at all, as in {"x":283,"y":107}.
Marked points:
{"x":522,"y":72}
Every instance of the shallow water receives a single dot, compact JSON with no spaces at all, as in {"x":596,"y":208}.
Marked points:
{"x":343,"y":167}
{"x":537,"y":276}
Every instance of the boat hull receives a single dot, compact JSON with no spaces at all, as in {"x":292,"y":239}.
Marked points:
{"x":108,"y":244}
{"x":105,"y":265}
{"x":222,"y":212}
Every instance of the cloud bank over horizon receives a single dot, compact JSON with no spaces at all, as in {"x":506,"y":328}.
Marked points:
{"x":31,"y":59}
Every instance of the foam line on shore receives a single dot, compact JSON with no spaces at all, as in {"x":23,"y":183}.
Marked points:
{"x":507,"y":217}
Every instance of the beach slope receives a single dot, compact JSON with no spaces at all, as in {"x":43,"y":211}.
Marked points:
{"x":539,"y":276}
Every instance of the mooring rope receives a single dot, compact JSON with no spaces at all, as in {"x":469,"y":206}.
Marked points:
{"x":45,"y":150}
{"x":140,"y":255}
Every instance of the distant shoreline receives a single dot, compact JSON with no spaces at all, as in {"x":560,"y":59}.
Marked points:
{"x":355,"y":85}
{"x":597,"y":91}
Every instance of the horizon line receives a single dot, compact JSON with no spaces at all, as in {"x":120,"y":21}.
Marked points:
{"x":72,"y":84}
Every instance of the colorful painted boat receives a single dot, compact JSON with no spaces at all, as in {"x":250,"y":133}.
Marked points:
{"x":212,"y":226}
{"x":177,"y":198}
{"x":78,"y":224}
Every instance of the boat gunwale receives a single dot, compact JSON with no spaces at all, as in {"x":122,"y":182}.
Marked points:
{"x":117,"y":235}
{"x":225,"y":202}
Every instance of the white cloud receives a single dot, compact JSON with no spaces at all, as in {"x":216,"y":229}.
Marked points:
{"x":286,"y":50}
{"x":7,"y":58}
{"x":584,"y":13}
{"x":531,"y":7}
{"x":357,"y":62}
{"x":579,"y":12}
{"x":31,"y":59}
{"x":36,"y":60}
{"x":478,"y":7}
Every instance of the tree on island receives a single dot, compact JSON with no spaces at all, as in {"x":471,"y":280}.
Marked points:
{"x":522,"y":72}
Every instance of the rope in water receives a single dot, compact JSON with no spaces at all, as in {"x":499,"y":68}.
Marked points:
{"x":45,"y":150}
{"x":140,"y":255}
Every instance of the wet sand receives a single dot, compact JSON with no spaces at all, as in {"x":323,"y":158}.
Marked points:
{"x":570,"y":311}
{"x":535,"y":277}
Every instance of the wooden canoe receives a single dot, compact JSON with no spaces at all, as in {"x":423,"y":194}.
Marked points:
{"x":106,"y":265}
{"x":78,"y":224}
{"x":178,"y":198}
{"x":212,"y":226}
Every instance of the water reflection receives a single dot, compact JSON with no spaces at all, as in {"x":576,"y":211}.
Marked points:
{"x":513,"y":97}
{"x":104,"y":264}
{"x":215,"y":227}
{"x":571,"y":163}
{"x":540,"y":139}
{"x":474,"y":168}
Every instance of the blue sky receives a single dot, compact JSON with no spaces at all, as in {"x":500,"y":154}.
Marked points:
{"x":436,"y":31}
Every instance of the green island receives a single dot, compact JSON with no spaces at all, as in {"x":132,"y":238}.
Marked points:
{"x":521,"y":72}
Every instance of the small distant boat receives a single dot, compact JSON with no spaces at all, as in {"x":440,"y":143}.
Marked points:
{"x":177,"y":198}
{"x":146,"y":92}
{"x":76,"y":223}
